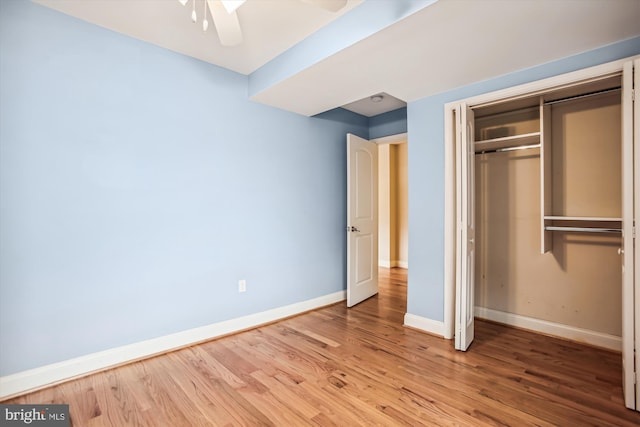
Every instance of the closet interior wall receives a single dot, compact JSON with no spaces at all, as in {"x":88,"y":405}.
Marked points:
{"x":577,"y":280}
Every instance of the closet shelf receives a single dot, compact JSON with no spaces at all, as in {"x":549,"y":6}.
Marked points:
{"x":583,"y":224}
{"x":581,"y":218}
{"x":584,"y":229}
{"x":507,"y":142}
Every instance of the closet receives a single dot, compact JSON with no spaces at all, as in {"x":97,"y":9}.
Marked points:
{"x":548,"y":210}
{"x":541,"y":231}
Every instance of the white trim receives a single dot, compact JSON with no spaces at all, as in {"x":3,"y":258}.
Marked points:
{"x":431,"y":326}
{"x":599,"y":339}
{"x":391,"y":139}
{"x":531,"y":88}
{"x":21,"y":382}
{"x":391,"y":264}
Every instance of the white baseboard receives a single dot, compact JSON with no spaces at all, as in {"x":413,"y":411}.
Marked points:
{"x":431,"y":326}
{"x":587,"y":336}
{"x":21,"y":382}
{"x":390,"y":264}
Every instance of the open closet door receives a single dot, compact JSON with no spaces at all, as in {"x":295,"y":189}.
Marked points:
{"x":636,"y":149}
{"x":630,"y":208}
{"x":362,"y":219}
{"x":465,"y":218}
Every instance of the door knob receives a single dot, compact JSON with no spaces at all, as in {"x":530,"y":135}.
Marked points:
{"x":620,"y":251}
{"x":353,"y":229}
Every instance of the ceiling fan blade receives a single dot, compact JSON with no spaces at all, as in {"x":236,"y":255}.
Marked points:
{"x":227,"y":24}
{"x":232,"y":5}
{"x":330,"y":5}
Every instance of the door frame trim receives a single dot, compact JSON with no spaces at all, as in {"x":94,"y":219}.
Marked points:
{"x":398,"y":138}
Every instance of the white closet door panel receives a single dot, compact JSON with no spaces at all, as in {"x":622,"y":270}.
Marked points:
{"x":465,"y":259}
{"x":636,"y":146}
{"x":628,"y":326}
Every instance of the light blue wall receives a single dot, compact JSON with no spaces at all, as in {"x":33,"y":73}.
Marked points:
{"x":426,"y":171}
{"x":391,"y":123}
{"x":137,"y":186}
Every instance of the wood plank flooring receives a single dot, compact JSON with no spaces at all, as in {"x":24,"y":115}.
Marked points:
{"x":356,"y":367}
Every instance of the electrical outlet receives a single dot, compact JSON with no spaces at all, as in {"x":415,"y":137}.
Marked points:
{"x":242,"y":285}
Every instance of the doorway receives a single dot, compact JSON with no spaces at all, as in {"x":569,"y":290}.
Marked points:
{"x":393,"y":224}
{"x":393,"y":227}
{"x":376,"y":188}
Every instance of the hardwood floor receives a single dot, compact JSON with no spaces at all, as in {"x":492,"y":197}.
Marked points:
{"x":339,"y":367}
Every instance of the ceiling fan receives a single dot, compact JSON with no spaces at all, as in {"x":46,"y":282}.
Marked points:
{"x":226,"y":21}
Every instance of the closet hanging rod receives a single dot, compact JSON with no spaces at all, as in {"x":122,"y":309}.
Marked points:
{"x":499,"y":150}
{"x":583,"y":229}
{"x":585,"y":95}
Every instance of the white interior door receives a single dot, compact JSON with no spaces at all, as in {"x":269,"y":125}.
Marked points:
{"x":630,"y":208}
{"x":362,"y":219}
{"x":465,"y":216}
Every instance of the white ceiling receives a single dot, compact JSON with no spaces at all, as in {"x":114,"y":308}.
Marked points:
{"x":269,"y":27}
{"x":372,"y":106}
{"x":449,"y":44}
{"x":453,"y":43}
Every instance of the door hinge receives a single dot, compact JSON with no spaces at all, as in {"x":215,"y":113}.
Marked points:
{"x":633,"y":232}
{"x":633,"y":94}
